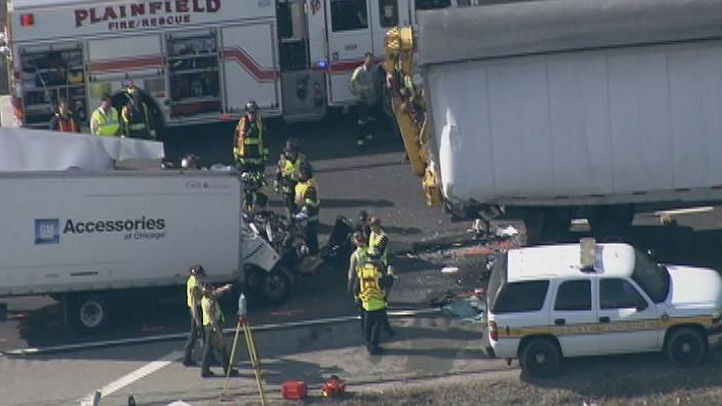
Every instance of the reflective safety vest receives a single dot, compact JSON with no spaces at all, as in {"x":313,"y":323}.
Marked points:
{"x":289,"y":172}
{"x":248,"y":146}
{"x":380,"y":241}
{"x":107,"y":124}
{"x":192,"y":287}
{"x":211,"y":311}
{"x":370,"y":292}
{"x":307,"y":198}
{"x":136,"y":122}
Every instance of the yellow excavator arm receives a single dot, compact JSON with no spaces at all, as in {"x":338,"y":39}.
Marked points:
{"x":407,"y":105}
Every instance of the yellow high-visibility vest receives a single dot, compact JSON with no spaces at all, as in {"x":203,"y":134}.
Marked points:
{"x":191,"y":287}
{"x":108,"y":124}
{"x":211,"y":311}
{"x":370,"y":293}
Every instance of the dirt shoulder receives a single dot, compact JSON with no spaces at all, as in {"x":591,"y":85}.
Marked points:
{"x":628,"y":380}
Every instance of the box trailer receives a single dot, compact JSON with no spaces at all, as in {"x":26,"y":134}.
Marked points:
{"x":93,"y":239}
{"x":553,"y":109}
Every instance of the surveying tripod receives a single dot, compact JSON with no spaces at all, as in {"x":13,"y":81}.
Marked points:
{"x":245,"y":326}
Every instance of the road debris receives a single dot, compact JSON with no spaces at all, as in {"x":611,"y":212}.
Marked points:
{"x":450,"y":269}
{"x":470,"y":309}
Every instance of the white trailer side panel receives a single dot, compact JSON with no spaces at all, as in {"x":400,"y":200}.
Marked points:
{"x":607,"y":122}
{"x":65,"y":232}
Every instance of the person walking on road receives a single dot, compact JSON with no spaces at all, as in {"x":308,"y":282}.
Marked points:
{"x":249,"y":150}
{"x":287,"y":173}
{"x":136,"y":121}
{"x":365,"y":85}
{"x":63,"y":120}
{"x":193,"y":298}
{"x":370,"y":285}
{"x":213,"y":331}
{"x":104,"y":120}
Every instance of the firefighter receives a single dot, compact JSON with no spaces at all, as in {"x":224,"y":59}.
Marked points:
{"x":249,"y":150}
{"x":136,"y":121}
{"x":213,"y":331}
{"x":308,"y":204}
{"x":370,"y":285}
{"x":380,"y":242}
{"x":378,"y":239}
{"x":357,"y":257}
{"x":193,"y":298}
{"x":287,"y":170}
{"x":365,"y":84}
{"x":104,"y":120}
{"x":63,"y":120}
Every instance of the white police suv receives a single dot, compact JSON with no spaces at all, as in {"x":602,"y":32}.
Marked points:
{"x":543,"y":305}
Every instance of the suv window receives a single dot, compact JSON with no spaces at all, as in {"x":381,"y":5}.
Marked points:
{"x":574,"y":295}
{"x":521,"y":297}
{"x":619,"y":294}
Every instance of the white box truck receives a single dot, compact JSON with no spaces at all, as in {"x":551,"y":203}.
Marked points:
{"x":92,"y":239}
{"x":561,"y":108}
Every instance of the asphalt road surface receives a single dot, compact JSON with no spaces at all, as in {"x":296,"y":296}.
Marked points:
{"x":373,"y":179}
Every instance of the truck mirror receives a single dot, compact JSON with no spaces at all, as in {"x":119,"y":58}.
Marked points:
{"x":642,"y":305}
{"x":3,"y":311}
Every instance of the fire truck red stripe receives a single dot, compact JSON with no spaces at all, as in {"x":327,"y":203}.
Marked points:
{"x":250,"y":65}
{"x":142,"y":62}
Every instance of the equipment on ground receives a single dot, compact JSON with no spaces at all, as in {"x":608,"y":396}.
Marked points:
{"x":591,"y":109}
{"x":294,"y":390}
{"x":244,"y":325}
{"x":333,"y":387}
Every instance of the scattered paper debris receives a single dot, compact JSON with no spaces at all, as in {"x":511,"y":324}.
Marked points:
{"x":449,"y":269}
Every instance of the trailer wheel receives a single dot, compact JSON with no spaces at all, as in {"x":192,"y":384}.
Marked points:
{"x":90,"y":312}
{"x":276,"y":286}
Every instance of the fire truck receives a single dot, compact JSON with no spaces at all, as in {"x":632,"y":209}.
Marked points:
{"x":195,"y":61}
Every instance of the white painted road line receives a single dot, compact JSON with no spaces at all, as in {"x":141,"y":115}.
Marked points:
{"x":692,"y":210}
{"x":136,"y":375}
{"x":178,"y":336}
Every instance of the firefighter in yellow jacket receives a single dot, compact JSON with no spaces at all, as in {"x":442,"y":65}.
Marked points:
{"x":249,"y":150}
{"x":136,"y":120}
{"x":308,"y":205}
{"x":370,"y":287}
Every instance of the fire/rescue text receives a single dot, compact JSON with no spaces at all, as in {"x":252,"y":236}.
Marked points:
{"x":126,"y":16}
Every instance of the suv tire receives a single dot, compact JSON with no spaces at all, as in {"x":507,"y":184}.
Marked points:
{"x":686,"y":347}
{"x":540,"y":358}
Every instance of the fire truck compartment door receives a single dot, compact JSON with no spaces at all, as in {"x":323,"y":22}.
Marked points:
{"x":128,"y":56}
{"x":251,"y":66}
{"x":349,"y":38}
{"x":116,"y":60}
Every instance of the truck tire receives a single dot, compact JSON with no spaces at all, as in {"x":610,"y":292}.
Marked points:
{"x":90,"y":313}
{"x":275,"y":286}
{"x":540,"y":358}
{"x":686,"y":346}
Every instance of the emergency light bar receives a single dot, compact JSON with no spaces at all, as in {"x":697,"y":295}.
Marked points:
{"x":27,"y":20}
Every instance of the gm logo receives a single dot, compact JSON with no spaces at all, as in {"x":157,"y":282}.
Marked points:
{"x":47,"y":231}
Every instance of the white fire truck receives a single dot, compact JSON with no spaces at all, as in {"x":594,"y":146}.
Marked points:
{"x":196,"y":61}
